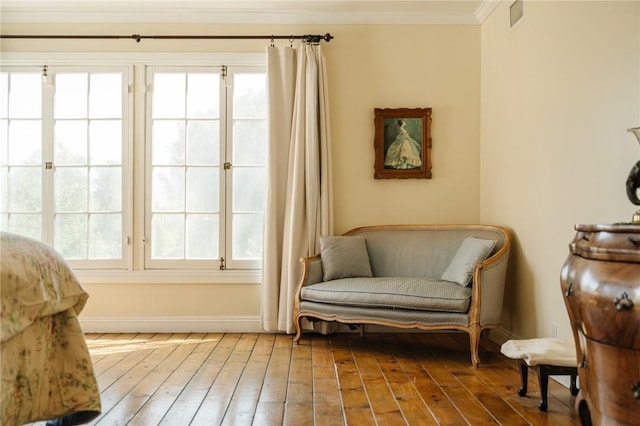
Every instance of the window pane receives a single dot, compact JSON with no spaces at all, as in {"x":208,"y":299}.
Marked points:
{"x":79,"y":191}
{"x":4,"y":190}
{"x":105,"y":241}
{"x":249,"y":141}
{"x":169,"y":95}
{"x":25,"y":189}
{"x":168,"y":142}
{"x":188,"y":187}
{"x":247,"y":236}
{"x":25,"y":142}
{"x":203,"y":189}
{"x":70,"y":142}
{"x":203,"y":97}
{"x":105,"y":189}
{"x":168,"y":189}
{"x":248,"y":189}
{"x":70,"y":235}
{"x":4,"y":140}
{"x":168,"y":236}
{"x":25,"y":95}
{"x":202,"y":236}
{"x":203,"y":142}
{"x":105,"y":142}
{"x":29,"y":225}
{"x":249,"y":96}
{"x":105,"y":99}
{"x":4,"y":95}
{"x":70,"y":100}
{"x":70,"y":189}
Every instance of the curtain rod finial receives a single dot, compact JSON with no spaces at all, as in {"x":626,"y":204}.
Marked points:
{"x":317,"y":38}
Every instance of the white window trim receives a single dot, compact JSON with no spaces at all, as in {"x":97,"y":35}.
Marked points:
{"x":165,"y":276}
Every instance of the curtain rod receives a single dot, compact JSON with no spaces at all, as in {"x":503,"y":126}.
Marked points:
{"x":137,"y":37}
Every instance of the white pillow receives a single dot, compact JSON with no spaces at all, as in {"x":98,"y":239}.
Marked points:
{"x":344,"y":257}
{"x":471,"y":252}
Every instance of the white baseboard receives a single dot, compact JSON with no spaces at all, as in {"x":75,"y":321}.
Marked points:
{"x":171,"y":324}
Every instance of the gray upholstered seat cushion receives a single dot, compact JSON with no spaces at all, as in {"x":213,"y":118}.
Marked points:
{"x":391,"y":292}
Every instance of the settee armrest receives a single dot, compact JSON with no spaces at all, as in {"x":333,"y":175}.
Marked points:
{"x":489,"y":283}
{"x":311,"y":274}
{"x":311,"y":270}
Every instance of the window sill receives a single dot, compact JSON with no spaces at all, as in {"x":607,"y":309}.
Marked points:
{"x":168,"y":277}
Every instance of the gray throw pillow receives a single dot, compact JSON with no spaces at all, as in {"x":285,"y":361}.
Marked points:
{"x":471,"y":252}
{"x":344,"y":257}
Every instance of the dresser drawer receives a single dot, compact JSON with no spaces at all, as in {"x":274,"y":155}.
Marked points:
{"x":603,"y":298}
{"x":608,"y":377}
{"x":611,"y":242}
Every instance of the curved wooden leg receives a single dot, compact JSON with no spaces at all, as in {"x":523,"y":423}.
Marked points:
{"x":298,"y":326}
{"x":573,"y":387}
{"x":543,"y":379}
{"x":583,"y":411}
{"x":474,"y":344}
{"x":524,"y":378}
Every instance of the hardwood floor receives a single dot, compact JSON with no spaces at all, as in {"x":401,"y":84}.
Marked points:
{"x":263,"y":379}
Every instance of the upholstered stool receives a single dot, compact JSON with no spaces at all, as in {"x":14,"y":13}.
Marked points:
{"x":548,"y":357}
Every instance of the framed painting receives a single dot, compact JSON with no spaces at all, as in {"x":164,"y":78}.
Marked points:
{"x":402,"y":143}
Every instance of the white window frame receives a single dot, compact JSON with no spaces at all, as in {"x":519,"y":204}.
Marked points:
{"x":127,"y":178}
{"x":136,"y":273}
{"x":232,"y":262}
{"x":187,"y":264}
{"x":225,"y":245}
{"x":48,"y":121}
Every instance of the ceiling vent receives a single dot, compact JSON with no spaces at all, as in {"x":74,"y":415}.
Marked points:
{"x":516,"y":12}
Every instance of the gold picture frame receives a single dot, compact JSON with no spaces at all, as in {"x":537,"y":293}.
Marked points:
{"x":402,"y":143}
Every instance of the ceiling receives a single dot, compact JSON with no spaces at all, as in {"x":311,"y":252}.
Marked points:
{"x":248,"y":11}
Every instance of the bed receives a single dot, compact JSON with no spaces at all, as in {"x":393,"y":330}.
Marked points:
{"x":47,"y":372}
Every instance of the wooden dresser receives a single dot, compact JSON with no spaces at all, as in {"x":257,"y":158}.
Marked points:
{"x":601,"y":286}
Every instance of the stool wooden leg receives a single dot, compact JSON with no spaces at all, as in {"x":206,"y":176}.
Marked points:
{"x":543,"y":379}
{"x":574,"y":388}
{"x":524,"y":376}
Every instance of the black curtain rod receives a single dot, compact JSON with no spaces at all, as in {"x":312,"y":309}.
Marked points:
{"x":137,"y":37}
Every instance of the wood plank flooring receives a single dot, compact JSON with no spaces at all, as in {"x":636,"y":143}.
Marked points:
{"x":344,"y":379}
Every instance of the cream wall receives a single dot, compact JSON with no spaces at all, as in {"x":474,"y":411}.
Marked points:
{"x":528,"y":132}
{"x":405,"y":66}
{"x":369,"y":66}
{"x":558,"y":93}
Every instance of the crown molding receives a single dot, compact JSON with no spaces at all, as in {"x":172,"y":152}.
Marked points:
{"x":469,"y":12}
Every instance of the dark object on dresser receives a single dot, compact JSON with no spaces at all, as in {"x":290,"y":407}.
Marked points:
{"x":633,"y":183}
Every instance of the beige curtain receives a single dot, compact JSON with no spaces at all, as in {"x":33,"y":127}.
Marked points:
{"x":298,"y":203}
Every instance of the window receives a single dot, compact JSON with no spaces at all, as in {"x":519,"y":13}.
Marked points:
{"x":21,"y":153}
{"x":63,"y":142}
{"x":207,"y":138}
{"x":180,"y":188}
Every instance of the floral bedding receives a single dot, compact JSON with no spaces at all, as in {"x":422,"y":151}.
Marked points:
{"x":47,"y":371}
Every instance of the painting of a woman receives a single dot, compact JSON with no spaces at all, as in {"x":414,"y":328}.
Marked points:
{"x":402,"y":143}
{"x":404,"y":152}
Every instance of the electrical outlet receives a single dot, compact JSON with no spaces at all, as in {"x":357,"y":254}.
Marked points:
{"x":554,"y":330}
